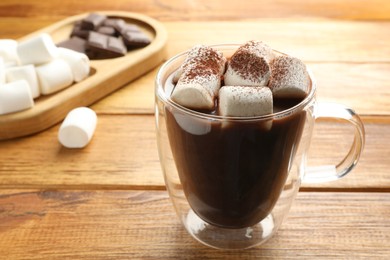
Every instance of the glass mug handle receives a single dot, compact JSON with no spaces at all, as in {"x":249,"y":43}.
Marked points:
{"x":327,"y":173}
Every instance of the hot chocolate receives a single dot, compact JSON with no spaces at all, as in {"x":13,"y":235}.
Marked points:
{"x":233,"y":171}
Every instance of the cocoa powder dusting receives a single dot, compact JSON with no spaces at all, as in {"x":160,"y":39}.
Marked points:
{"x":250,"y":61}
{"x":202,"y":61}
{"x":287,"y":71}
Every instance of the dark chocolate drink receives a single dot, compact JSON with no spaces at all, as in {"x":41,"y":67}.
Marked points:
{"x":233,"y":172}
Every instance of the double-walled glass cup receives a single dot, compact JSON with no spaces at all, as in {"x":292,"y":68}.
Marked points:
{"x":232,"y":180}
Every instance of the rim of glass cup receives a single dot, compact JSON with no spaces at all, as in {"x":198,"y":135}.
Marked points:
{"x":163,"y":97}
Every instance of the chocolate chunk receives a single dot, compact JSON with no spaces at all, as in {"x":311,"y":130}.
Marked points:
{"x":100,"y":46}
{"x":135,"y":39}
{"x":75,"y":43}
{"x":127,"y":27}
{"x":77,"y":31}
{"x":132,"y":35}
{"x":99,"y":30}
{"x":92,"y":21}
{"x":107,"y":30}
{"x":115,"y":23}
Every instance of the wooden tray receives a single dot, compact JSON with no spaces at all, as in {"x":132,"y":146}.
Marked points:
{"x":106,"y":76}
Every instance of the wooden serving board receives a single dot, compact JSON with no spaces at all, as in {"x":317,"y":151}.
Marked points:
{"x":106,"y":76}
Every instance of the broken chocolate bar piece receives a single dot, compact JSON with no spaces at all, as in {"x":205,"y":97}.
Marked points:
{"x":100,"y":46}
{"x":135,"y":39}
{"x":75,"y":43}
{"x":115,"y":23}
{"x":95,"y":28}
{"x":77,"y":31}
{"x":92,"y":21}
{"x":127,"y":27}
{"x":107,"y":30}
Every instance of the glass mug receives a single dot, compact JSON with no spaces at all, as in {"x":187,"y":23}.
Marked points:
{"x":232,"y":180}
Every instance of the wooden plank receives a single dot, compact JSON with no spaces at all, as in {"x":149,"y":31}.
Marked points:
{"x":178,"y":10}
{"x":123,"y":155}
{"x":345,"y":83}
{"x":314,"y":41}
{"x":142,"y":225}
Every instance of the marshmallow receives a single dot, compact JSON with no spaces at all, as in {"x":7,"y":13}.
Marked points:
{"x":240,"y":101}
{"x":200,"y":78}
{"x":2,"y":71}
{"x":78,"y":128}
{"x":78,"y":62}
{"x":15,"y":96}
{"x":197,"y":92}
{"x":289,"y":77}
{"x":249,"y":65}
{"x":37,"y":50}
{"x":201,"y":53}
{"x":8,"y":51}
{"x":192,"y":124}
{"x":54,"y":76}
{"x":27,"y":73}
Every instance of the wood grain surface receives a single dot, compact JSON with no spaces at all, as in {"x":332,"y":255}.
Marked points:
{"x":123,"y":155}
{"x":108,"y":201}
{"x":125,"y":225}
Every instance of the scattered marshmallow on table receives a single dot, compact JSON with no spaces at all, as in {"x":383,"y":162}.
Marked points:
{"x":15,"y":96}
{"x":249,"y":65}
{"x":78,"y":62}
{"x":239,"y":101}
{"x":54,"y":76}
{"x":2,"y":71}
{"x":8,"y":51}
{"x":37,"y":50}
{"x":26,"y":72}
{"x":78,"y":128}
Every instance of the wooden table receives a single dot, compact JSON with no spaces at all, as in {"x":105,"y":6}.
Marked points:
{"x":108,"y":201}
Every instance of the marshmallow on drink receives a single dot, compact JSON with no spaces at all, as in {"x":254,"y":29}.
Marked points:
{"x":204,"y":54}
{"x":289,"y":77}
{"x":15,"y":96}
{"x":200,"y":78}
{"x":27,"y":73}
{"x":249,"y":65}
{"x":78,"y":62}
{"x":78,"y":127}
{"x":54,"y":76}
{"x":245,"y":101}
{"x":37,"y":50}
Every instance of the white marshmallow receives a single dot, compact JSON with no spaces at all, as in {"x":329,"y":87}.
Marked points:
{"x":245,"y":101}
{"x":10,"y":64}
{"x":78,"y":62}
{"x":27,"y":73}
{"x":37,"y":50}
{"x":2,"y":71}
{"x":15,"y":96}
{"x":77,"y":129}
{"x":249,"y":65}
{"x":197,"y":93}
{"x":8,"y":51}
{"x":54,"y":76}
{"x":192,"y":124}
{"x":199,"y":54}
{"x":199,"y":78}
{"x":289,"y":77}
